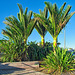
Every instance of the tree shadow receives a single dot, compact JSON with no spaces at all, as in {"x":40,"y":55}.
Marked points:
{"x":6,"y":69}
{"x":30,"y":66}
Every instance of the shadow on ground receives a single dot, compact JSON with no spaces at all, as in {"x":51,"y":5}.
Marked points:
{"x":20,"y":68}
{"x":6,"y":69}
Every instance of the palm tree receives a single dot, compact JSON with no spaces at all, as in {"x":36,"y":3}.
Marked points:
{"x":19,"y":28}
{"x":22,"y":27}
{"x":58,"y":18}
{"x":39,"y":27}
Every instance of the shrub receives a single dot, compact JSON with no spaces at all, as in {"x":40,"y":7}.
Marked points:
{"x":36,"y":52}
{"x":60,"y":61}
{"x":11,"y":51}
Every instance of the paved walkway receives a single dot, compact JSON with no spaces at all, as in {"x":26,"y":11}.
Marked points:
{"x":20,"y":68}
{"x":20,"y":72}
{"x":23,"y":68}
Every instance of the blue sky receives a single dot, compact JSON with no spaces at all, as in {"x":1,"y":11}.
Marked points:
{"x":9,"y":7}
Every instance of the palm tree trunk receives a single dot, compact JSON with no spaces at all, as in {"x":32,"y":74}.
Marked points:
{"x":25,"y":51}
{"x":54,"y":43}
{"x":25,"y":41}
{"x":64,"y":37}
{"x":42,"y":40}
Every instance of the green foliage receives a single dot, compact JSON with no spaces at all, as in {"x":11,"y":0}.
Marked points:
{"x":39,"y":27}
{"x":11,"y":51}
{"x":60,"y":61}
{"x":57,"y":20}
{"x":15,"y":51}
{"x":18,"y":30}
{"x":36,"y":52}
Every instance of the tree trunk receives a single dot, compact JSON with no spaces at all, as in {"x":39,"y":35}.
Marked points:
{"x":25,"y":51}
{"x":54,"y":43}
{"x":42,"y":40}
{"x":25,"y":41}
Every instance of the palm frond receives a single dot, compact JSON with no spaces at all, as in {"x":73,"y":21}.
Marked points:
{"x":31,"y":26}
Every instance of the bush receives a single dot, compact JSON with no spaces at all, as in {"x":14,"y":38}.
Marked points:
{"x":11,"y":51}
{"x":60,"y":61}
{"x":36,"y":52}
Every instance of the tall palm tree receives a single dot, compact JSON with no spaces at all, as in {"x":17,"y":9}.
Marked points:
{"x":22,"y":26}
{"x":19,"y":28}
{"x":58,"y":18}
{"x":39,"y":27}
